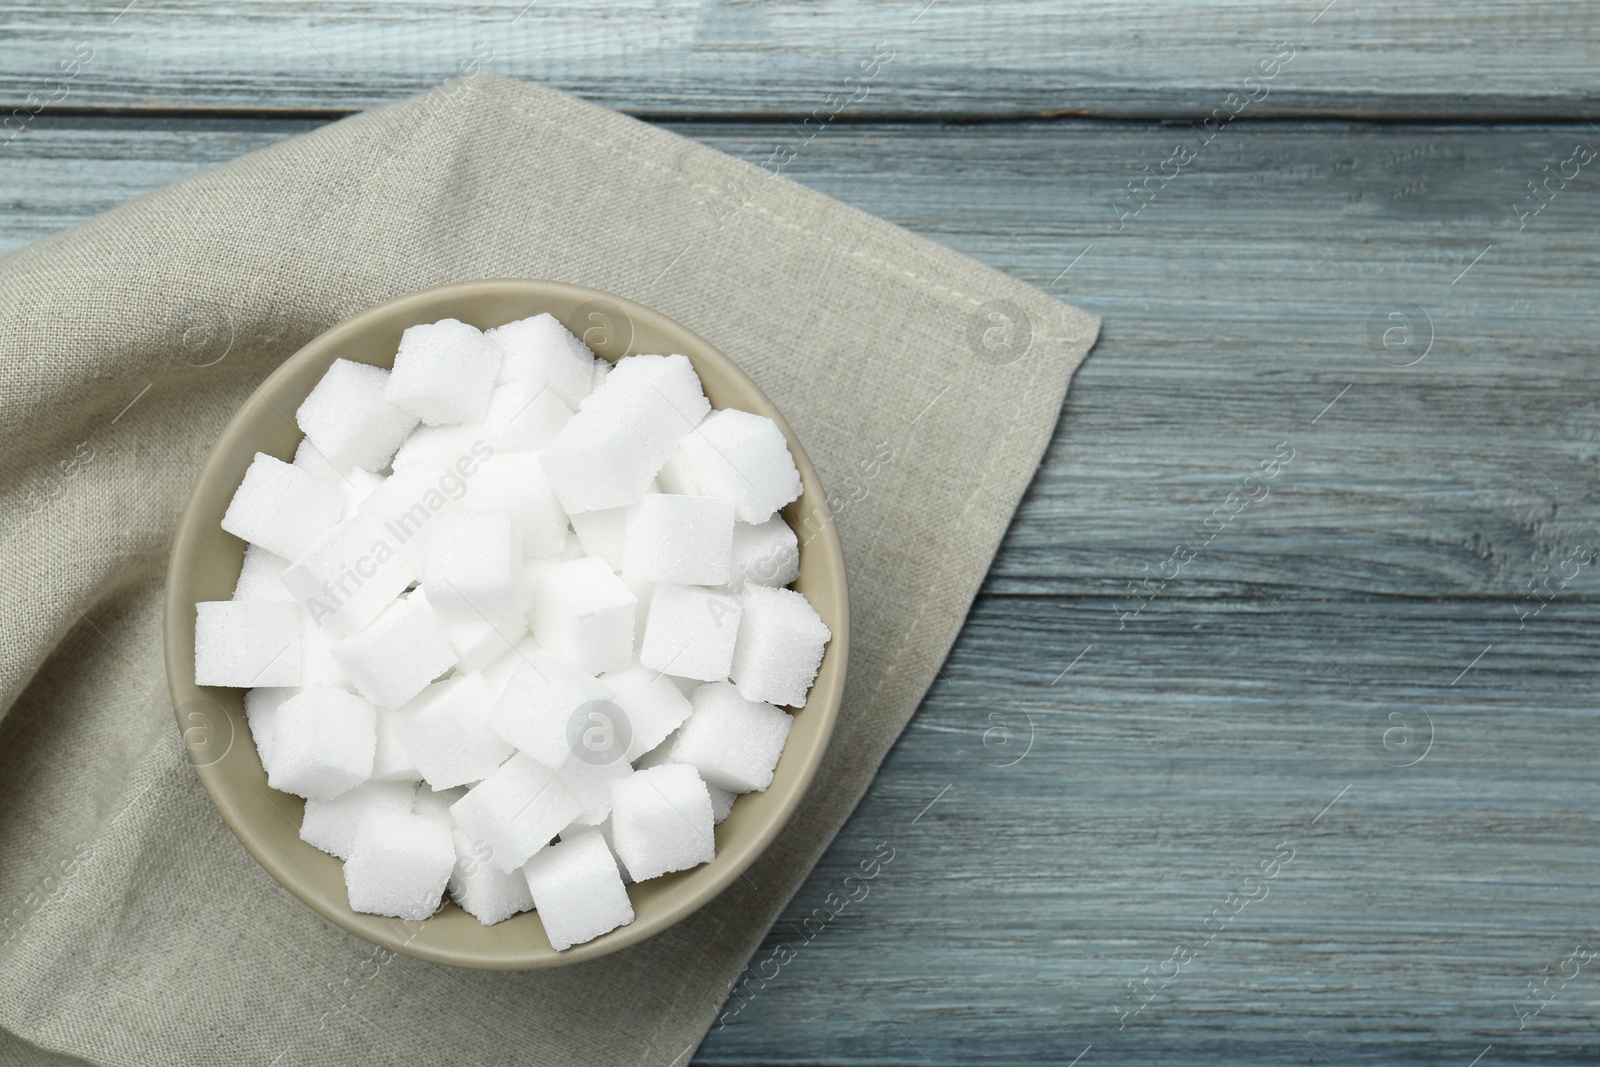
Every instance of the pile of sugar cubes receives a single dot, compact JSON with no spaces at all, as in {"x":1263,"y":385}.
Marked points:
{"x":514,"y":622}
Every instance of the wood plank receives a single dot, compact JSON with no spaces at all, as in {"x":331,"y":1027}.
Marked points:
{"x":1099,"y":809}
{"x":660,"y":58}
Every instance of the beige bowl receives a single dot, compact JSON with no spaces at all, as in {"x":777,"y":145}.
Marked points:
{"x":206,"y":561}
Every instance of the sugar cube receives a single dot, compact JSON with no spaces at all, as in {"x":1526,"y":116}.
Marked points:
{"x":654,"y":707}
{"x":399,"y":652}
{"x":781,"y":642}
{"x":664,"y":387}
{"x":399,"y":865}
{"x":516,"y":482}
{"x":309,"y":458}
{"x":766,"y":553}
{"x":261,"y":714}
{"x":479,"y":642}
{"x":516,"y":811}
{"x":323,"y":743}
{"x":545,"y":705}
{"x":683,"y":539}
{"x":261,"y":576}
{"x":589,"y":782}
{"x":317,"y":663}
{"x":249,"y":643}
{"x":524,"y":417}
{"x":281,"y":508}
{"x":658,"y":755}
{"x":348,"y":420}
{"x":734,"y":743}
{"x":603,"y":533}
{"x":435,"y":804}
{"x":721,"y":802}
{"x":405,"y":503}
{"x":391,"y":761}
{"x":740,"y":456}
{"x":444,"y":372}
{"x":540,"y":351}
{"x":472,"y":565}
{"x":691,"y":632}
{"x":661,"y":821}
{"x":585,"y":612}
{"x":445,"y":448}
{"x":348,"y":576}
{"x":577,"y":890}
{"x":483,"y":891}
{"x":446,"y":729}
{"x":331,"y":825}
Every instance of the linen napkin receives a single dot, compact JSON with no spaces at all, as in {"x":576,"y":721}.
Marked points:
{"x":133,"y":927}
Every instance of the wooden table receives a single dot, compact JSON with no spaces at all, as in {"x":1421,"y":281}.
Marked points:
{"x":1270,"y":737}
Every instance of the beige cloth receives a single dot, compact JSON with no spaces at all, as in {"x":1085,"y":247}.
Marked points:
{"x":133,"y":926}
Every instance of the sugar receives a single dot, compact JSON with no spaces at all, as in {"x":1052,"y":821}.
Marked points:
{"x":658,"y":387}
{"x":261,"y":714}
{"x":435,"y":804}
{"x":482,"y":891}
{"x":643,"y":592}
{"x":444,"y":372}
{"x":540,"y":351}
{"x":261,"y":576}
{"x":444,"y":448}
{"x":407,"y":501}
{"x":577,"y":890}
{"x":391,"y":761}
{"x":691,"y":632}
{"x":602,"y":367}
{"x":734,"y":743}
{"x":683,"y":539}
{"x":654,"y":707}
{"x":721,"y":802}
{"x":781,"y":642}
{"x":349,"y":575}
{"x":309,"y":458}
{"x":604,"y":830}
{"x":585,"y":612}
{"x":317,"y":663}
{"x":590,"y":782}
{"x":605,"y":458}
{"x":515,"y":811}
{"x":472,"y":565}
{"x":603,"y":533}
{"x":323,"y":743}
{"x":661,"y":821}
{"x":524,"y":417}
{"x":248,"y":643}
{"x":281,"y":508}
{"x":348,"y":420}
{"x":399,"y":865}
{"x":479,"y":642}
{"x":544,"y":707}
{"x":766,"y":553}
{"x":398,"y":653}
{"x":331,"y":825}
{"x":446,"y":729}
{"x":740,"y":456}
{"x":516,"y":482}
{"x":658,"y":755}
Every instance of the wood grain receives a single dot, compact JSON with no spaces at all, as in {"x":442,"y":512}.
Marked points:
{"x":951,"y":58}
{"x":1344,"y":667}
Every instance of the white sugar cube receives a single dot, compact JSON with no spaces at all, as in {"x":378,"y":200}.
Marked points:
{"x":721,"y":802}
{"x":479,"y":642}
{"x":604,"y":830}
{"x":654,"y":707}
{"x":516,"y":811}
{"x":606,"y":458}
{"x":734,"y":743}
{"x":602,"y":367}
{"x":544,"y":706}
{"x":524,"y":417}
{"x":446,"y":730}
{"x":391,"y":659}
{"x":472,"y":565}
{"x":585,"y":612}
{"x":406,"y":502}
{"x":331,"y":825}
{"x":691,"y":632}
{"x":603,"y":533}
{"x":664,"y":387}
{"x":323,"y":743}
{"x":281,"y":508}
{"x":399,"y":865}
{"x":683,"y":539}
{"x":358,"y":484}
{"x":444,"y":372}
{"x":516,"y":482}
{"x":577,"y":890}
{"x":589,"y":780}
{"x":540,"y":351}
{"x":766,"y":553}
{"x":435,"y":804}
{"x":658,"y":755}
{"x":391,"y":760}
{"x":643,"y":592}
{"x":309,"y":458}
{"x":781,"y":642}
{"x":248,"y":643}
{"x":261,"y":576}
{"x":261,"y":714}
{"x":317,"y":663}
{"x":740,"y":456}
{"x":455,"y":449}
{"x":661,"y":821}
{"x":348,"y":420}
{"x":348,"y":576}
{"x":483,"y":891}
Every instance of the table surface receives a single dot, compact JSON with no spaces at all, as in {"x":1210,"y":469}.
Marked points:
{"x":1264,"y":740}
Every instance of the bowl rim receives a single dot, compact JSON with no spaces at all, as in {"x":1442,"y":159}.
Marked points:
{"x":731,"y":860}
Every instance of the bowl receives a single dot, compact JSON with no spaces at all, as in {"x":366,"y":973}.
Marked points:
{"x":206,"y":561}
